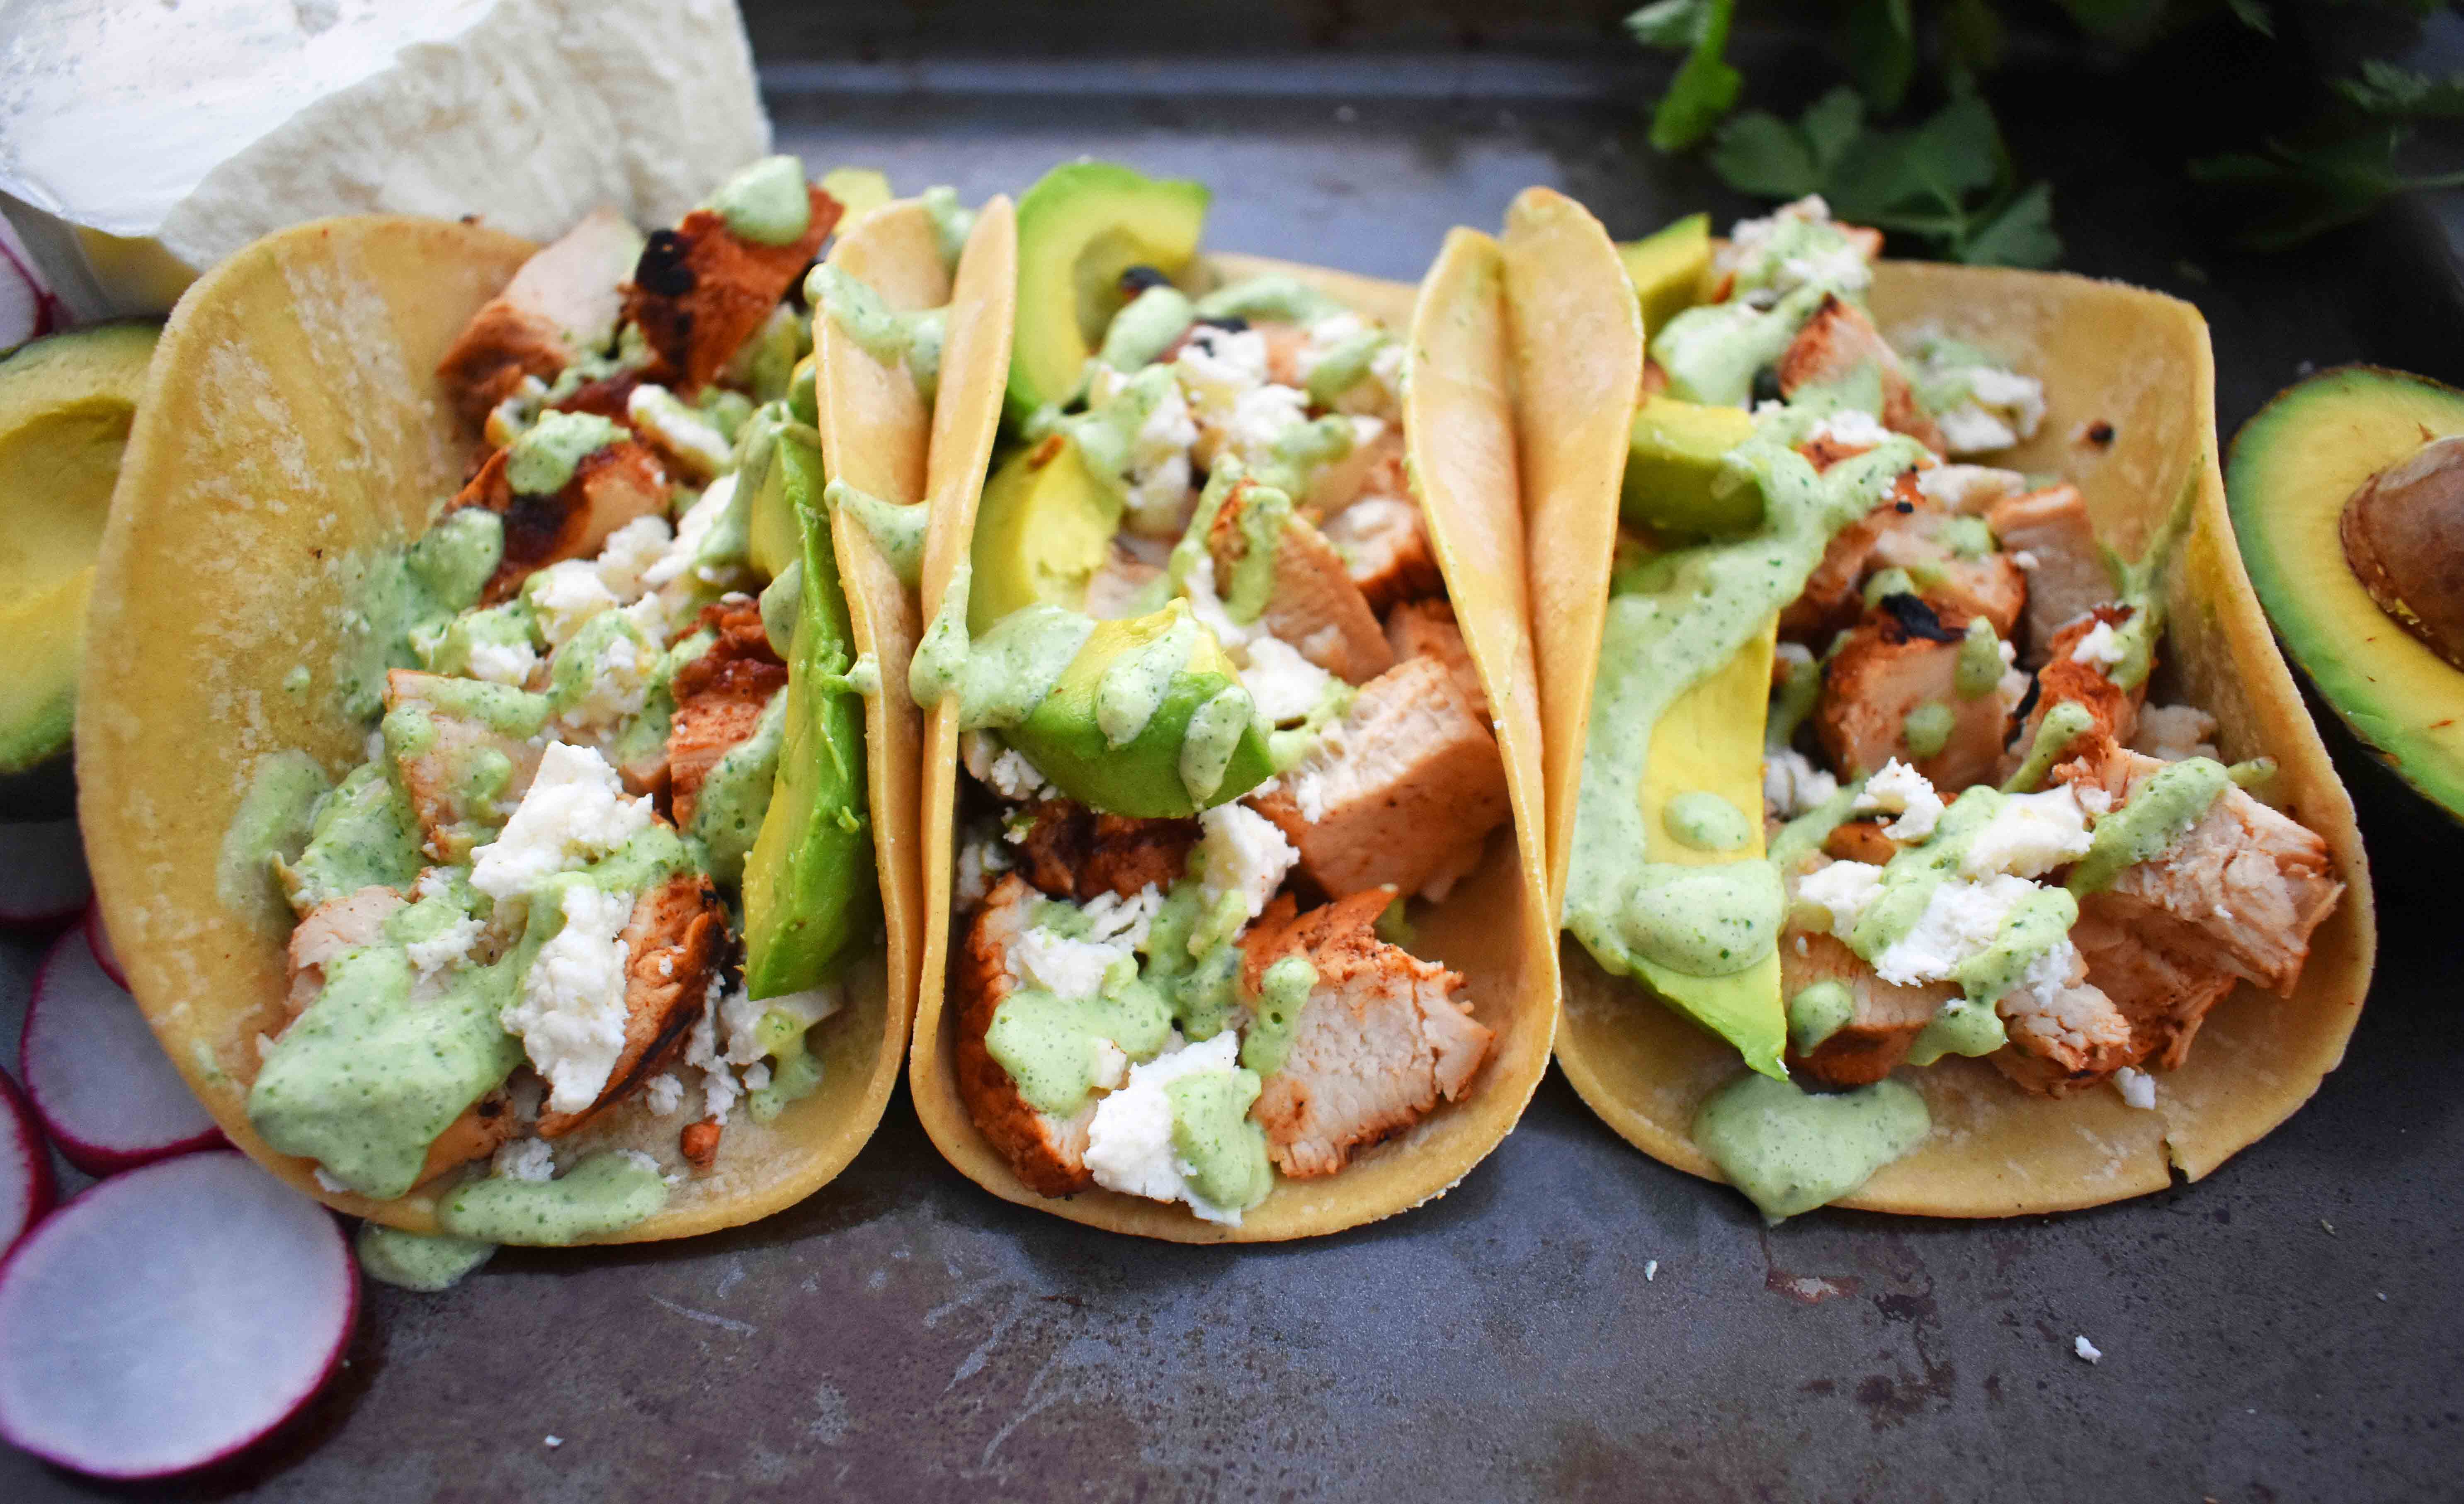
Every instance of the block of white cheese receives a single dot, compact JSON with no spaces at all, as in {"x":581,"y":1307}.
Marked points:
{"x":140,"y":142}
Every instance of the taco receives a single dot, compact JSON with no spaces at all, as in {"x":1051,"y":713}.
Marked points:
{"x":1939,"y":781}
{"x":484,"y":768}
{"x":1232,"y":862}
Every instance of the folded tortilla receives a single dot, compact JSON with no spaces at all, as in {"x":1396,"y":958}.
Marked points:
{"x":1494,"y":926}
{"x":2135,"y":360}
{"x":294,"y":426}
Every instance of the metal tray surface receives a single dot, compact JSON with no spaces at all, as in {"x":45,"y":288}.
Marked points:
{"x":1573,"y":1320}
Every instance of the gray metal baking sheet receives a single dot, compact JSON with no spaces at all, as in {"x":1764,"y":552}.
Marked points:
{"x":1575,"y":1320}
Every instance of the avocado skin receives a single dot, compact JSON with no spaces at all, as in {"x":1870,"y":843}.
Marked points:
{"x":66,"y":405}
{"x":1142,"y":778}
{"x":1043,"y":529}
{"x":2291,"y":471}
{"x":1674,"y":480}
{"x":1079,"y":228}
{"x":1667,"y":268}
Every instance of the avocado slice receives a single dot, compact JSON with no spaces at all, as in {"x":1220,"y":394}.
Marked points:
{"x":810,"y":889}
{"x":1079,"y":228}
{"x":859,"y":191}
{"x":1667,"y":268}
{"x":2293,"y":474}
{"x":1673,"y":479}
{"x":1065,"y":735}
{"x":1044,"y":528}
{"x":66,"y":404}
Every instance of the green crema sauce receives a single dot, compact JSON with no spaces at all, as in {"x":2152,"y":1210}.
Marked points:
{"x":1675,"y":618}
{"x":1963,"y":1027}
{"x":1145,"y":327}
{"x":1051,"y":1045}
{"x":1706,"y":822}
{"x":2160,"y":811}
{"x":1711,"y":351}
{"x":1797,"y":246}
{"x":1192,"y":961}
{"x":766,"y":203}
{"x":2139,"y":585}
{"x":1346,"y":366}
{"x":795,"y":1068}
{"x":1108,"y":434}
{"x":1282,"y":992}
{"x":542,"y":459}
{"x":272,"y":825}
{"x":416,"y":1261}
{"x":1791,"y":1151}
{"x":1791,"y":702}
{"x":1211,"y":1131}
{"x":1980,"y":661}
{"x":1803,"y":836}
{"x":2062,"y":722}
{"x":1301,"y":448}
{"x":1819,"y":1010}
{"x":736,"y":794}
{"x":1263,"y":519}
{"x":1277,"y":298}
{"x":1212,"y":739}
{"x":389,"y":595}
{"x":896,"y":528}
{"x":608,"y":1192}
{"x":1135,"y":683}
{"x":449,"y":650}
{"x":1927,"y":728}
{"x":1001,"y":679}
{"x":1887,"y":583}
{"x":361,"y":835}
{"x":1968,"y":537}
{"x":953,"y":222}
{"x":913,"y":339}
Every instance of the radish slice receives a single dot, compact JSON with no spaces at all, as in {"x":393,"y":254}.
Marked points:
{"x":17,"y":270}
{"x":100,"y":939}
{"x":42,"y":872}
{"x":166,"y":1318}
{"x":25,"y":1166}
{"x":99,"y":1081}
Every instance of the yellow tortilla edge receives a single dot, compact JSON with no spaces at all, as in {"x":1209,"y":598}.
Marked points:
{"x":247,"y":353}
{"x":2140,"y":361}
{"x":1456,"y":319}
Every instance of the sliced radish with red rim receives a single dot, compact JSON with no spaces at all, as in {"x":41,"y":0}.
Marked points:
{"x":42,"y":872}
{"x":169,"y":1317}
{"x":98,"y":1080}
{"x":26,"y":1185}
{"x":27,"y":307}
{"x":100,"y":939}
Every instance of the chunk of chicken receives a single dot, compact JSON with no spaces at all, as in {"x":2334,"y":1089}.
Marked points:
{"x":2240,"y":892}
{"x":672,"y":947}
{"x":1119,"y":586}
{"x":1071,"y":852}
{"x":1837,"y":342}
{"x":1427,"y":629}
{"x":1380,"y":1041}
{"x":2050,"y":534}
{"x":2113,"y":710}
{"x":1867,"y":241}
{"x":699,"y":291}
{"x":1904,"y":656}
{"x":720,"y":697}
{"x":2165,"y":997}
{"x":2059,"y":1045}
{"x":1861,"y":841}
{"x":1313,"y":603}
{"x":562,"y":304}
{"x":610,"y":487}
{"x":1048,"y":1152}
{"x":1373,"y":469}
{"x":464,"y":772}
{"x":1384,"y":544}
{"x":1885,"y":1023}
{"x":1987,"y":585}
{"x":1402,"y":795}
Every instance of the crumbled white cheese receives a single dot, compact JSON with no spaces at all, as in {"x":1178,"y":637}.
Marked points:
{"x":502,"y":662}
{"x":525,"y":1160}
{"x":691,"y":530}
{"x":575,"y":814}
{"x":2137,"y":1087}
{"x":329,"y":1184}
{"x":564,"y":595}
{"x":718,"y":1086}
{"x":1014,"y":778}
{"x":679,"y":430}
{"x":1906,"y":792}
{"x":570,"y":1015}
{"x":1129,"y":1143}
{"x":447,"y":947}
{"x":2030,"y":836}
{"x":1791,"y":785}
{"x":664,"y":1094}
{"x":2086,"y":1349}
{"x":625,"y":562}
{"x":1284,"y":686}
{"x":1243,"y":852}
{"x":2174,"y":732}
{"x":1260,"y":418}
{"x":1850,"y":427}
{"x":619,"y":684}
{"x":1074,"y":966}
{"x":1159,"y":475}
{"x":1969,"y":488}
{"x":1834,"y":897}
{"x":1205,"y":604}
{"x":2002,"y":408}
{"x":2100,"y":647}
{"x":978,"y":860}
{"x":1960,"y":918}
{"x":1215,"y":367}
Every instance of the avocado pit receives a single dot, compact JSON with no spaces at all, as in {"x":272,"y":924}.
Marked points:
{"x":2403,"y":533}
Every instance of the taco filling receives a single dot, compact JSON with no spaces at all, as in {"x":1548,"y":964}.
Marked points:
{"x":1221,"y":731}
{"x":609,"y":855}
{"x":1881,"y":765}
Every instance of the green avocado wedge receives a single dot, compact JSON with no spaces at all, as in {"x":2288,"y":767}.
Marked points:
{"x":2292,"y":469}
{"x":1079,"y":228}
{"x":1044,"y":528}
{"x":1667,"y":268}
{"x":66,"y":404}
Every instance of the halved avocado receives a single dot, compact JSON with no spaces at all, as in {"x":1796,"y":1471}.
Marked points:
{"x":2294,"y":471}
{"x":1081,"y":226}
{"x":1044,"y":528}
{"x":1667,"y":268}
{"x":66,"y":404}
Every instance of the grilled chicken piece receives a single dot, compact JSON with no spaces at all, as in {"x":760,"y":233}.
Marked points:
{"x":1049,"y":1154}
{"x":1987,"y":585}
{"x":2165,"y":997}
{"x":1071,"y":852}
{"x":1372,"y":470}
{"x":698,"y":291}
{"x":1887,"y":1019}
{"x":1861,"y":841}
{"x":1427,"y":629}
{"x":1114,"y":590}
{"x":2115,"y":710}
{"x":1904,"y":656}
{"x":610,"y":487}
{"x":1830,"y":601}
{"x":2080,"y":1039}
{"x":1314,"y":605}
{"x":1380,"y":1041}
{"x":2064,"y":564}
{"x":720,"y":697}
{"x":672,"y":946}
{"x":1839,"y":340}
{"x":562,"y":304}
{"x":1384,"y":545}
{"x":2240,"y":892}
{"x":482,"y":1129}
{"x":329,"y":931}
{"x":458,"y":807}
{"x":1285,"y":343}
{"x":1402,"y":795}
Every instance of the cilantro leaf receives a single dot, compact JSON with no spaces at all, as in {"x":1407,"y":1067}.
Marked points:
{"x":1705,"y":87}
{"x":2020,"y":233}
{"x":2255,"y":14}
{"x":1880,"y":37}
{"x":2303,"y":188}
{"x":2404,"y":94}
